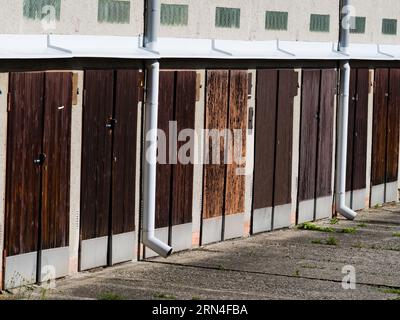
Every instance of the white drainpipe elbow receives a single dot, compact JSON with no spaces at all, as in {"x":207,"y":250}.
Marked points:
{"x":151,"y":126}
{"x":343,"y":114}
{"x":150,"y":163}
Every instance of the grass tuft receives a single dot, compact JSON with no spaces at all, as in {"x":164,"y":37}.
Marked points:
{"x":163,"y":296}
{"x":334,"y":221}
{"x":348,"y":230}
{"x":313,"y":227}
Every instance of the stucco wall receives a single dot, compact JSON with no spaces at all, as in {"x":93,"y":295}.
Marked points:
{"x":375,"y":11}
{"x":252,"y":20}
{"x":77,"y":17}
{"x":80,"y":17}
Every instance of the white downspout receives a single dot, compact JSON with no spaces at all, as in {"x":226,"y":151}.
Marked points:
{"x":343,"y":114}
{"x":151,"y":125}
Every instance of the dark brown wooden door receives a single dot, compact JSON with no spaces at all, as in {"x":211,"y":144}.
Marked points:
{"x":182,"y":187}
{"x":316,"y":134}
{"x":124,"y":151}
{"x":57,"y":167}
{"x":392,"y":164}
{"x":385,"y":140}
{"x":309,"y":134}
{"x":110,"y":122}
{"x":325,"y":133}
{"x":164,"y":168}
{"x":25,"y":135}
{"x":177,"y":101}
{"x":96,"y":153}
{"x":357,"y":130}
{"x":38,"y":165}
{"x":274,"y":137}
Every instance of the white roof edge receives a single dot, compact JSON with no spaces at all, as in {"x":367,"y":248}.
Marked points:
{"x":129,"y":47}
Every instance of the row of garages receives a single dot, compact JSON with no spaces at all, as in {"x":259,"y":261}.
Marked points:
{"x":72,"y":148}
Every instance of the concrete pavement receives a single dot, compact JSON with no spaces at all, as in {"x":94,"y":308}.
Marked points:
{"x":287,"y":264}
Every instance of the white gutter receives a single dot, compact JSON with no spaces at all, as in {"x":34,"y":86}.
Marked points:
{"x":151,"y":125}
{"x":343,"y":114}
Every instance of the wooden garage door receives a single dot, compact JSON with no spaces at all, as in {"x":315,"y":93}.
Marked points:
{"x":385,"y":141}
{"x":358,"y":130}
{"x":57,"y":167}
{"x":316,"y":134}
{"x":38,"y":164}
{"x":177,"y":101}
{"x":226,"y":108}
{"x":276,"y":90}
{"x":109,"y":152}
{"x":96,"y":153}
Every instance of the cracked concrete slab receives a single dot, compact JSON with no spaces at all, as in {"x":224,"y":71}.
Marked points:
{"x":287,"y":264}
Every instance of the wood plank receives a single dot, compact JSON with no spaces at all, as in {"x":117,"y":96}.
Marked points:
{"x":25,"y":129}
{"x":182,"y":188}
{"x":267,"y":88}
{"x":351,"y":129}
{"x":216,"y":112}
{"x":96,"y":153}
{"x":57,"y":167}
{"x":235,"y":174}
{"x":392,"y":157}
{"x":124,"y":151}
{"x":325,"y":139}
{"x":164,"y":170}
{"x":361,"y":131}
{"x":284,"y":138}
{"x":379,"y":127}
{"x":308,"y":134}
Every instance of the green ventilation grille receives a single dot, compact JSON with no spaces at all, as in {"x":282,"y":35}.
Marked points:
{"x":319,"y":23}
{"x":389,"y":26}
{"x":33,"y":9}
{"x":174,"y":14}
{"x":227,"y":18}
{"x":276,"y":20}
{"x":112,"y":11}
{"x":359,"y":25}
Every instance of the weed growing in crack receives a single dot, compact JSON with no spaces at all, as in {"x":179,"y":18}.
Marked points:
{"x":313,"y":227}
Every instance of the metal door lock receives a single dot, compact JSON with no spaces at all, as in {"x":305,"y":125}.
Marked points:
{"x":40,"y":160}
{"x":111,"y":124}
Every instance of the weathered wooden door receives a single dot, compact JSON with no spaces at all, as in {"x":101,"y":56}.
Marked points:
{"x":174,"y":200}
{"x":224,"y":180}
{"x":272,"y":198}
{"x":109,"y":167}
{"x":315,"y":183}
{"x":385,"y":140}
{"x":356,"y":173}
{"x":38,"y":175}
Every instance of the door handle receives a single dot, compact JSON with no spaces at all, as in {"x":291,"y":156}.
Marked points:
{"x":40,"y":159}
{"x":111,"y":124}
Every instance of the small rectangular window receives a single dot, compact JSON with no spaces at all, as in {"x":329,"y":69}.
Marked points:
{"x":276,"y":20}
{"x":37,"y":9}
{"x":174,"y":14}
{"x":358,"y":25}
{"x":389,"y":26}
{"x":227,"y":17}
{"x":113,"y":11}
{"x":319,"y":23}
